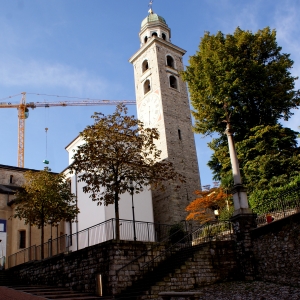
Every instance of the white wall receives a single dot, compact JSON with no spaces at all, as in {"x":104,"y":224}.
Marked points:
{"x":92,"y":214}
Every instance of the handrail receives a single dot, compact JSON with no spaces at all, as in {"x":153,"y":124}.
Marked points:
{"x":2,"y":261}
{"x":151,"y":249}
{"x":92,"y":235}
{"x":186,"y":241}
{"x":280,"y":201}
{"x":283,"y":205}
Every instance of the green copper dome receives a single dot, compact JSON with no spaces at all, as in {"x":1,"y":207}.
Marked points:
{"x":153,"y":18}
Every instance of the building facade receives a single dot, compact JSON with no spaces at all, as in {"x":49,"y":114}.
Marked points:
{"x":15,"y":235}
{"x":162,"y":102}
{"x":92,"y":214}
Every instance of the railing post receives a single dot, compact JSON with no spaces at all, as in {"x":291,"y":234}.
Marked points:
{"x":113,"y":228}
{"x":88,"y":237}
{"x":77,"y":245}
{"x":148,"y":231}
{"x":283,"y":209}
{"x":68,"y":242}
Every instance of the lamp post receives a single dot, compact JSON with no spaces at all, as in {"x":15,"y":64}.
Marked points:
{"x":216,"y":212}
{"x":131,"y":187}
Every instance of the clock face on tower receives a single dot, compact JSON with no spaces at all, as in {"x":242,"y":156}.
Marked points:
{"x":150,"y":110}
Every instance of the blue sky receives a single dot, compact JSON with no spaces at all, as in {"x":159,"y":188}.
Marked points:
{"x":80,"y":48}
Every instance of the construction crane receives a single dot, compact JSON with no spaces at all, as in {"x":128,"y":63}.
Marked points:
{"x":23,"y":113}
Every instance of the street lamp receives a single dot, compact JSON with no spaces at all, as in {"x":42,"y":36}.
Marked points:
{"x":131,"y":187}
{"x":216,"y":212}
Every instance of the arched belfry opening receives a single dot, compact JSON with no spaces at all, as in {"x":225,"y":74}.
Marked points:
{"x":173,"y":82}
{"x":147,"y":86}
{"x":145,"y":65}
{"x":170,"y":61}
{"x":164,"y":37}
{"x":154,"y":34}
{"x":145,"y":39}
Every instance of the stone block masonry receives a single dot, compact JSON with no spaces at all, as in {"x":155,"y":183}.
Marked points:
{"x":210,"y":263}
{"x":276,"y":249}
{"x":78,"y":270}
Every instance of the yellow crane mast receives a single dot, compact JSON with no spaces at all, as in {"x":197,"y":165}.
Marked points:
{"x":23,"y":114}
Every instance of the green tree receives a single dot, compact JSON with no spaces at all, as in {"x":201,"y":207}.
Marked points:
{"x":246,"y":77}
{"x":246,"y":72}
{"x":118,"y":149}
{"x":45,"y":198}
{"x":270,"y":156}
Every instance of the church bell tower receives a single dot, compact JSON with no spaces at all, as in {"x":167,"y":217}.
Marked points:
{"x":162,"y":103}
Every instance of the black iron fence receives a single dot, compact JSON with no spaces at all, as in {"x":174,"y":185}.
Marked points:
{"x":216,"y":231}
{"x":2,"y":262}
{"x":102,"y":232}
{"x":168,"y":258}
{"x":281,"y":206}
{"x":167,"y":234}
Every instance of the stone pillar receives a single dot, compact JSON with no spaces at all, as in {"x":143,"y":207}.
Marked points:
{"x":243,"y":219}
{"x":242,"y":225}
{"x":239,"y":194}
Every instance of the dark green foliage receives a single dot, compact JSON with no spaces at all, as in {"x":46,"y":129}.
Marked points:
{"x":246,"y":76}
{"x":245,"y":71}
{"x":268,"y":157}
{"x":276,"y":198}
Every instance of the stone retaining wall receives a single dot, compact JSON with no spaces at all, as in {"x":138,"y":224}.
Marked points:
{"x":211,"y":262}
{"x":78,"y":270}
{"x":276,"y":248}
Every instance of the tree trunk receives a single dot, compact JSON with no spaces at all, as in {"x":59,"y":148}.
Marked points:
{"x":117,"y":216}
{"x":42,"y":241}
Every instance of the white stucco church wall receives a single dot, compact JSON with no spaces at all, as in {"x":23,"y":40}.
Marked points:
{"x":92,"y":214}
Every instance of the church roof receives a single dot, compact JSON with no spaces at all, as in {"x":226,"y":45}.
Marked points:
{"x":152,"y":17}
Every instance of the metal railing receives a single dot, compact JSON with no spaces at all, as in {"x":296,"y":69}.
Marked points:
{"x":2,"y":262}
{"x":157,"y":268}
{"x":220,"y":231}
{"x":102,"y":232}
{"x":285,"y":204}
{"x":166,"y":237}
{"x":208,"y":232}
{"x":23,"y":256}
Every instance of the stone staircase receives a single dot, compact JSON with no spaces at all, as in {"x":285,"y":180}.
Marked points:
{"x":5,"y":279}
{"x":144,"y":284}
{"x":183,"y":270}
{"x":56,"y":293}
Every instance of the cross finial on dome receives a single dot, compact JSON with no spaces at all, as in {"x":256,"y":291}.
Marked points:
{"x":150,"y":11}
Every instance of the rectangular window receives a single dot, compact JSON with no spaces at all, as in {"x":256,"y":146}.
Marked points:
{"x":71,"y":233}
{"x":69,"y":183}
{"x":22,"y":241}
{"x":179,"y":134}
{"x":2,"y":225}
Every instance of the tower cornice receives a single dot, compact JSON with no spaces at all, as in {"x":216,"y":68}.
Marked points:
{"x":159,"y":41}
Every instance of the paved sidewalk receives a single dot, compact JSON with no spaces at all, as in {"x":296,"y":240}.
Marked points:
{"x":255,"y":290}
{"x":10,"y":294}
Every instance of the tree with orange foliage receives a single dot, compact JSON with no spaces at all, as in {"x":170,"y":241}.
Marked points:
{"x":202,"y":208}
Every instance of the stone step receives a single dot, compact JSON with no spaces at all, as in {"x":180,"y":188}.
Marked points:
{"x":84,"y":298}
{"x":66,"y":296}
{"x":56,"y":293}
{"x":37,"y":289}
